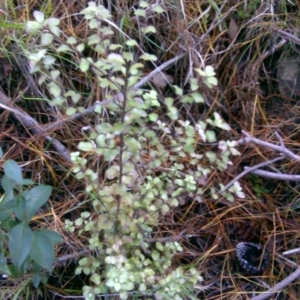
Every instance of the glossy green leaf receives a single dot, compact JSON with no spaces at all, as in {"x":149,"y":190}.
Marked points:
{"x":6,"y":209}
{"x":36,"y":279}
{"x":37,"y":197}
{"x":20,"y":243}
{"x":7,"y":184}
{"x":3,"y":264}
{"x":27,"y":182}
{"x":20,"y":209}
{"x":42,"y":250}
{"x":53,"y":236}
{"x":13,"y":171}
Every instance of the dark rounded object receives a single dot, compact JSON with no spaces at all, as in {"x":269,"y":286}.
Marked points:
{"x":252,"y":257}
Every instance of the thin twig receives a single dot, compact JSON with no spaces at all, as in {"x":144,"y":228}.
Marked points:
{"x":277,"y":176}
{"x":31,"y":124}
{"x":281,"y":149}
{"x":279,"y":286}
{"x":158,"y":70}
{"x":249,"y":170}
{"x":287,"y":35}
{"x":293,"y":251}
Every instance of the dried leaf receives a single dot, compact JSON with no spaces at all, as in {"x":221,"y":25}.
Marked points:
{"x":233,"y":29}
{"x":161,"y":80}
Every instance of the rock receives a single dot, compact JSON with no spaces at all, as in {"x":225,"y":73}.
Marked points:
{"x":288,"y":76}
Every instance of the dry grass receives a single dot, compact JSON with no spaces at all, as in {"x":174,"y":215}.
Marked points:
{"x":239,"y":44}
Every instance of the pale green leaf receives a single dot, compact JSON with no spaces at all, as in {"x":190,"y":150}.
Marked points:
{"x":153,"y":117}
{"x":84,"y":65}
{"x":113,"y":172}
{"x":80,"y":47}
{"x":194,"y":84}
{"x":198,"y":98}
{"x":86,"y":146}
{"x":131,"y":43}
{"x":53,"y":22}
{"x":54,"y":89}
{"x":39,"y":16}
{"x":110,"y":154}
{"x":70,"y":111}
{"x":187,"y":99}
{"x":140,"y":13}
{"x":71,"y":40}
{"x":158,"y":9}
{"x":128,"y":56}
{"x":211,"y":136}
{"x":147,"y":56}
{"x":94,"y":39}
{"x":93,"y":23}
{"x":209,"y":71}
{"x":178,"y":90}
{"x":48,"y":60}
{"x":149,"y":29}
{"x":33,"y":27}
{"x":169,"y":101}
{"x":143,"y":4}
{"x":55,"y":30}
{"x":116,"y":58}
{"x":155,"y":255}
{"x":63,"y":48}
{"x":46,"y":38}
{"x":54,"y":74}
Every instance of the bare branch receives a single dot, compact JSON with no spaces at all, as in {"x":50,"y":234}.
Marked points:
{"x":249,"y":170}
{"x":281,"y":149}
{"x":31,"y":124}
{"x":279,"y":286}
{"x":277,"y":176}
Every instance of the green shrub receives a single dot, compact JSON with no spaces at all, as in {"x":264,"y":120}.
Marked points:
{"x":29,"y":250}
{"x":143,"y":156}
